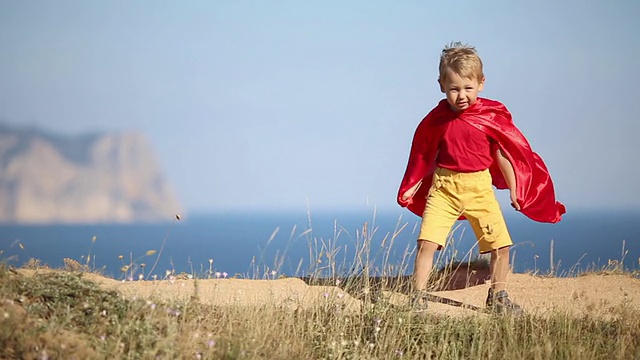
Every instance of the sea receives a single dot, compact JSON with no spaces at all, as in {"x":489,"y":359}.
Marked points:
{"x":261,"y":245}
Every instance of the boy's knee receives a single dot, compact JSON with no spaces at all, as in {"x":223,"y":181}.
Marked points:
{"x":427,"y":246}
{"x":502,"y":252}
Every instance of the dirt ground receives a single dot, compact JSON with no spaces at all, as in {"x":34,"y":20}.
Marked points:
{"x":593,"y":294}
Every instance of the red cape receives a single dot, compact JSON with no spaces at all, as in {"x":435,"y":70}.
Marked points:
{"x":534,"y":188}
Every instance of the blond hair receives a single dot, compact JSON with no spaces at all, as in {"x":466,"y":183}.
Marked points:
{"x":462,"y":59}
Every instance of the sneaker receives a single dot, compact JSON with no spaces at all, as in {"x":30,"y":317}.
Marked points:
{"x":500,"y":303}
{"x":419,"y":302}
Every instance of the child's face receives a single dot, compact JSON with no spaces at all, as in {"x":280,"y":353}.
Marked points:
{"x":461,"y":92}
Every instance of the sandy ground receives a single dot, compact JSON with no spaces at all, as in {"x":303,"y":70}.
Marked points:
{"x":593,"y":294}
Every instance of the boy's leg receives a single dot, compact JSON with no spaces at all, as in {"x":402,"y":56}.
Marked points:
{"x":487,"y":221}
{"x":498,"y":300}
{"x":440,"y":213}
{"x":423,"y":264}
{"x":499,"y":268}
{"x":439,"y":216}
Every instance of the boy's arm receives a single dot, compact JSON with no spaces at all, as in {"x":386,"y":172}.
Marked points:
{"x":509,"y":176}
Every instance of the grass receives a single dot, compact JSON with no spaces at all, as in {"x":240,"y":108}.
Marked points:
{"x":60,"y":315}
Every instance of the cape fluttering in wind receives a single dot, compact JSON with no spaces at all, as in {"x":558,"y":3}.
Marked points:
{"x":534,"y":188}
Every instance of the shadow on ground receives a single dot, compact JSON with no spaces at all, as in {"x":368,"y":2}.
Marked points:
{"x":370,"y":288}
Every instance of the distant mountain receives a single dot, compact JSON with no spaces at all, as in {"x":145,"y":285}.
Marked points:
{"x":92,"y":178}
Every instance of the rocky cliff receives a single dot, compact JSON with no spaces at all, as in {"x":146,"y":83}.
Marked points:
{"x":49,"y":178}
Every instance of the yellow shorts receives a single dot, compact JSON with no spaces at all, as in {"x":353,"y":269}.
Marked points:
{"x":470,"y":194}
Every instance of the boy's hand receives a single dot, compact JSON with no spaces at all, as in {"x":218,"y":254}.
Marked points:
{"x":514,"y":201}
{"x":408,"y":195}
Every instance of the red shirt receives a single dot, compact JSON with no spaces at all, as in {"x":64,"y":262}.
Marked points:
{"x":463,"y":148}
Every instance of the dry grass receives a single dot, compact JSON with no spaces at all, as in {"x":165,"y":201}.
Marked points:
{"x":60,"y":315}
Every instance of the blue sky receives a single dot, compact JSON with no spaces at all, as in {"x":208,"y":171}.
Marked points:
{"x":273,"y":104}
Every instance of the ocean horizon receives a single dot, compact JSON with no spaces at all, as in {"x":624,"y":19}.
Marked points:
{"x":326,"y":243}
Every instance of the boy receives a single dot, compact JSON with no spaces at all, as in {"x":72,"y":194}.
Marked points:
{"x":462,"y":147}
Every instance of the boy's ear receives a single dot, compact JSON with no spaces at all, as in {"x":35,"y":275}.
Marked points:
{"x":441,"y":87}
{"x":481,"y":85}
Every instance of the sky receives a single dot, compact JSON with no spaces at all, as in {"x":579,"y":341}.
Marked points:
{"x":259,"y":105}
